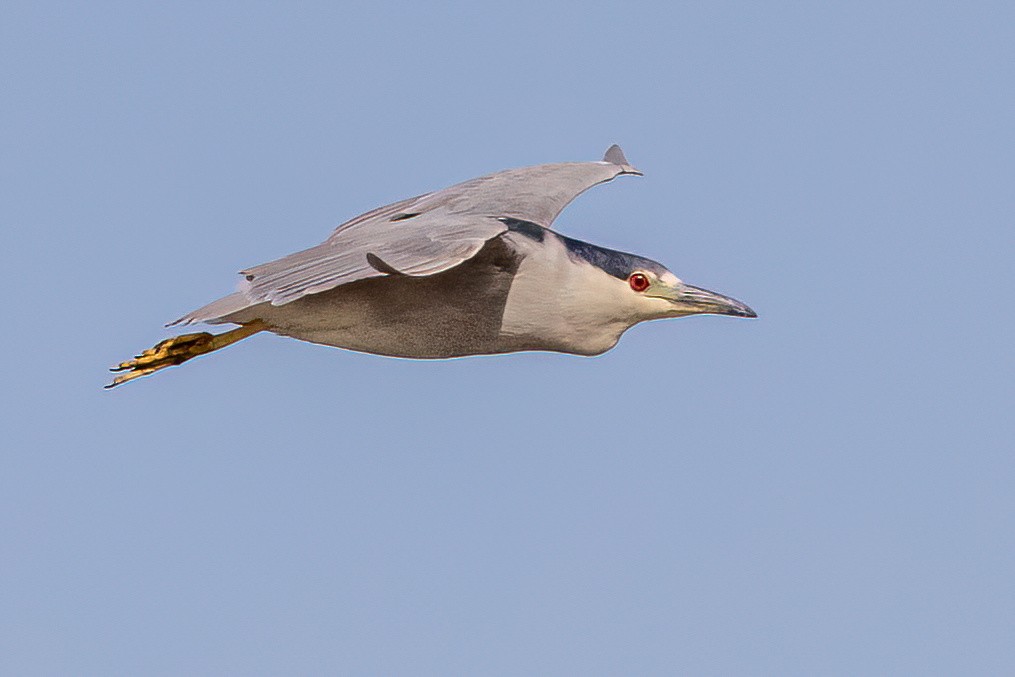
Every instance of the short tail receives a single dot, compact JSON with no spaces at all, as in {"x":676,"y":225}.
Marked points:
{"x":216,"y":311}
{"x":178,"y":350}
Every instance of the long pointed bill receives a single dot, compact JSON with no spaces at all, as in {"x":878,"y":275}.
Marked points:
{"x":691,"y":300}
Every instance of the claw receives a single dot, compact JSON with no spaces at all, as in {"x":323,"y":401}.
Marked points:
{"x":168,"y":353}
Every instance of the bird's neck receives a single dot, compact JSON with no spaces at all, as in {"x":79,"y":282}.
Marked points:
{"x":558,"y":304}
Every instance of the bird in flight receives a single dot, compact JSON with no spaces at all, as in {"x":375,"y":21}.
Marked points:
{"x":473,"y":269}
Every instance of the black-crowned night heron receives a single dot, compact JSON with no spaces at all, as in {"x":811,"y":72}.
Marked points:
{"x":472,"y":269}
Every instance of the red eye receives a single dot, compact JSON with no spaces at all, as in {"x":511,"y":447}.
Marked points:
{"x":638,"y":281}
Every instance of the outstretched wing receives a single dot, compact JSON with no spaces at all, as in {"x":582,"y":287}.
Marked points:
{"x":427,"y":234}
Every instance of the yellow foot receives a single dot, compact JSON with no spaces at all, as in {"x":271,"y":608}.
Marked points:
{"x":178,"y":350}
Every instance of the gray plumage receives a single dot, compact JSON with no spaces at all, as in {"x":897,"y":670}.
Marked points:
{"x":471,"y":269}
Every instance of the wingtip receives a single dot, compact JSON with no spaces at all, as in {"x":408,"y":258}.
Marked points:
{"x":615,"y":155}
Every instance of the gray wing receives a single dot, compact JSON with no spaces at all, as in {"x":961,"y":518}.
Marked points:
{"x":423,"y":235}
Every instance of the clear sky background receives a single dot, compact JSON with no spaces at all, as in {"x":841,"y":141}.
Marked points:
{"x":826,"y":490}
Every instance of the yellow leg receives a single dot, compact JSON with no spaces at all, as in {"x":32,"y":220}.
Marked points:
{"x":178,"y":350}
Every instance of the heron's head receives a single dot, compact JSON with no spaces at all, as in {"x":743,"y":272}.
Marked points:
{"x":646,"y":290}
{"x":660,"y":293}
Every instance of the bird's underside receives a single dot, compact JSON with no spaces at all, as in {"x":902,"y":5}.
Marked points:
{"x":450,"y":314}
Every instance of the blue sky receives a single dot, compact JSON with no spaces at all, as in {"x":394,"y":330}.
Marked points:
{"x":826,"y":490}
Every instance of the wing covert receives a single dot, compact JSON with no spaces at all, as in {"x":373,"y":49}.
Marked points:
{"x":430,"y":233}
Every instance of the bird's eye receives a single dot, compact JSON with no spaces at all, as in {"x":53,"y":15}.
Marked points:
{"x":638,"y":281}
